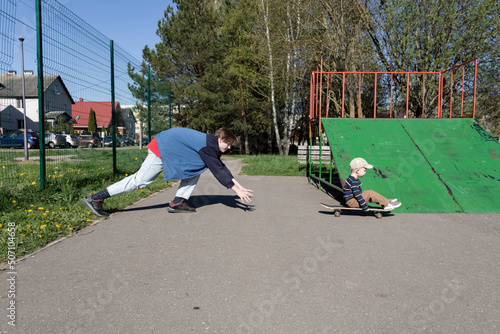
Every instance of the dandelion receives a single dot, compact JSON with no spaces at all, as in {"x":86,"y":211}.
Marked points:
{"x":58,"y":226}
{"x":14,"y":201}
{"x":40,"y":208}
{"x":30,"y":210}
{"x":71,"y":229}
{"x":42,"y":227}
{"x":33,"y":182}
{"x":0,"y":225}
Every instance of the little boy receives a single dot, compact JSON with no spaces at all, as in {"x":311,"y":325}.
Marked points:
{"x":354,"y":197}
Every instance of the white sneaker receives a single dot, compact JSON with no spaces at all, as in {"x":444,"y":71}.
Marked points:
{"x":392,"y":206}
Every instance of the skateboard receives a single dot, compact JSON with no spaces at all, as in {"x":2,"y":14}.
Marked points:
{"x":337,"y":209}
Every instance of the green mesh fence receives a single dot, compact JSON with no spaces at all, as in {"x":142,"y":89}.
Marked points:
{"x":82,"y":72}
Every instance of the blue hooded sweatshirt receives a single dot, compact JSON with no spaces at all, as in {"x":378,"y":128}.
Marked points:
{"x":186,"y":153}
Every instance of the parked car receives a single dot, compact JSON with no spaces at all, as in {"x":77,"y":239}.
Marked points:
{"x":108,"y":141}
{"x":72,"y":140}
{"x":129,"y":140}
{"x":89,"y":141}
{"x":122,"y":141}
{"x":55,"y":140}
{"x":16,"y":139}
{"x":145,"y":141}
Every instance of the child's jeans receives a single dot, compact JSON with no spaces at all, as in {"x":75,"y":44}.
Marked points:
{"x":370,"y":196}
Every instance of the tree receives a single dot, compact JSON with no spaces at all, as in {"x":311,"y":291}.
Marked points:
{"x":242,"y":64}
{"x":61,"y":126}
{"x":158,"y":96}
{"x":189,"y":56}
{"x":92,"y":126}
{"x":432,"y":35}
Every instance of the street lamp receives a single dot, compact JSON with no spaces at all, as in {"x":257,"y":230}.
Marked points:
{"x":26,"y":157}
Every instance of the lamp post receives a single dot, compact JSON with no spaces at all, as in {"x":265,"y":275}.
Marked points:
{"x":26,"y":157}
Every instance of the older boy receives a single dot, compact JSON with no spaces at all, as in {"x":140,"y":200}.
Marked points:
{"x":354,"y":197}
{"x":182,"y":154}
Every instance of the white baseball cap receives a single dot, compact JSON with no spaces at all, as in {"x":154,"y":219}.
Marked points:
{"x":359,"y":163}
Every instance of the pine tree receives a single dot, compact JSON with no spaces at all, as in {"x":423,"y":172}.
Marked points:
{"x":189,"y":56}
{"x":92,"y":126}
{"x":242,"y":66}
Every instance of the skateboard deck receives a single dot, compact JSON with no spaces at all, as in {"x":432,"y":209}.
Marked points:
{"x":337,"y":210}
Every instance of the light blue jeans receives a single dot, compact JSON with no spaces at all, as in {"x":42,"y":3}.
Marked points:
{"x":149,"y":171}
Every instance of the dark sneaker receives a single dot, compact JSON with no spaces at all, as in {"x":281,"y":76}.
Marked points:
{"x":94,"y":206}
{"x":180,"y":207}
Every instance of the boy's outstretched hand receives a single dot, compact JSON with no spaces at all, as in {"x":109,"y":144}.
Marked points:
{"x":243,"y":193}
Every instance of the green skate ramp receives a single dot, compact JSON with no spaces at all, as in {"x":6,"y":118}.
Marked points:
{"x":430,"y":165}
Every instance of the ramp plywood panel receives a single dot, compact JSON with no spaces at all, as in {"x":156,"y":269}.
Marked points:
{"x":431,"y":165}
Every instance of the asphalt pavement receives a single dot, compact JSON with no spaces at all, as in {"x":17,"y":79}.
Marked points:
{"x":282,"y":264}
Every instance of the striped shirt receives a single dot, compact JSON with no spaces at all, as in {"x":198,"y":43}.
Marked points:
{"x":352,"y":189}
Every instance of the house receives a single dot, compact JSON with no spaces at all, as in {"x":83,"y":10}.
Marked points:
{"x":57,"y":100}
{"x":129,"y":122}
{"x":102,"y":109}
{"x":136,"y":132}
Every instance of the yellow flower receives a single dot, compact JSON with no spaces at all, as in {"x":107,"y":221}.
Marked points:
{"x":14,"y":201}
{"x":42,"y":227}
{"x":29,"y":210}
{"x":33,"y":182}
{"x":0,"y":225}
{"x":58,"y":226}
{"x":40,"y":208}
{"x":71,"y":229}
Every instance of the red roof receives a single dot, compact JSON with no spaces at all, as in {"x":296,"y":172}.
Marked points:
{"x":102,"y":112}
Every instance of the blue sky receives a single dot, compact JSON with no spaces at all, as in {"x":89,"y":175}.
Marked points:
{"x":131,"y":24}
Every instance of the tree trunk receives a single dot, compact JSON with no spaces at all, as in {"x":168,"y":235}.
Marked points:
{"x":265,"y":12}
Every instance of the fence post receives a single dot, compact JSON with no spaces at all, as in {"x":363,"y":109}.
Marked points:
{"x":113,"y":120}
{"x":41,"y":114}
{"x":149,"y":103}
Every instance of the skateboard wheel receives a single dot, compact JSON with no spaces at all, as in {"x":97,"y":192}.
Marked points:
{"x":378,"y":215}
{"x":336,"y":213}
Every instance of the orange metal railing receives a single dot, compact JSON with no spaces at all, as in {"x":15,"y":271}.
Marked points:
{"x":321,"y":90}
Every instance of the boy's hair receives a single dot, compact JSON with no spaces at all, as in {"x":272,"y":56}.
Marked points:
{"x":226,"y":135}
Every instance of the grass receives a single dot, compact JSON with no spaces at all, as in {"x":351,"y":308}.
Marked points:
{"x":41,"y":216}
{"x":276,"y":165}
{"x":273,"y":165}
{"x":44,"y":215}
